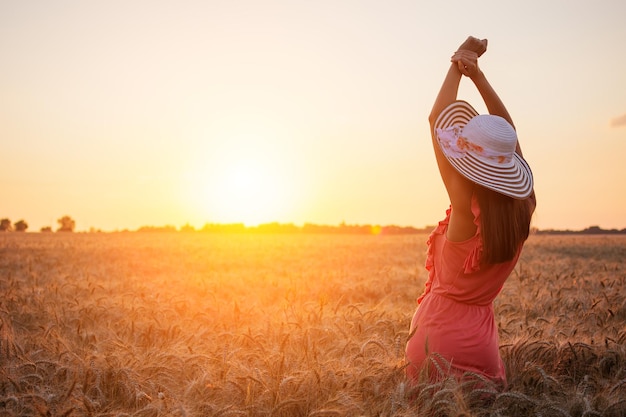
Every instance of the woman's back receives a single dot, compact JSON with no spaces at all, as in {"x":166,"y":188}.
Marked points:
{"x":455,"y":317}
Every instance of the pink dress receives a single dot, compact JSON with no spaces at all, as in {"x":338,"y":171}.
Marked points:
{"x":455,"y":317}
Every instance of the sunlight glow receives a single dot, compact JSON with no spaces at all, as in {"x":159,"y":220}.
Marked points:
{"x":248,"y":192}
{"x":241,"y":183}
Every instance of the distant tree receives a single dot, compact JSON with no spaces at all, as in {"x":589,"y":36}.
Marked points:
{"x":21,"y":226}
{"x":224,"y":228}
{"x":187,"y":228}
{"x":46,"y":229}
{"x":5,"y":225}
{"x":66,"y":224}
{"x":157,"y":229}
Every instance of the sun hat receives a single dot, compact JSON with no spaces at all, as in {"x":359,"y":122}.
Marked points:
{"x":481,"y":147}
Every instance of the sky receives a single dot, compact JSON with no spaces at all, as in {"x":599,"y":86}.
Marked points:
{"x":129,"y":113}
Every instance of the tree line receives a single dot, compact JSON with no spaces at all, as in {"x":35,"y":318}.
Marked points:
{"x":343,"y":228}
{"x":66,"y":224}
{"x":592,"y":230}
{"x":290,"y":228}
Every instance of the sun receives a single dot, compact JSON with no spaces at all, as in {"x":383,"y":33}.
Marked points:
{"x":241,"y":185}
{"x":248,"y":192}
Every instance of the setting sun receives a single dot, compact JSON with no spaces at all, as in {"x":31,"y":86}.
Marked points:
{"x":247,"y":192}
{"x":241,"y":184}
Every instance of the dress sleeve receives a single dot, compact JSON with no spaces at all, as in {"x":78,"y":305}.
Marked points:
{"x":430,"y":262}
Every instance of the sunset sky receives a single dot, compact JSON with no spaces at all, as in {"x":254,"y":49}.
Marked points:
{"x":136,"y":112}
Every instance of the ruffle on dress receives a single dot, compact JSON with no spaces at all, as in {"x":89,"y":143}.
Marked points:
{"x":472,"y":261}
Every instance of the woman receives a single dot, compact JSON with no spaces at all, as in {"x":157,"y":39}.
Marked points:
{"x":474,"y":249}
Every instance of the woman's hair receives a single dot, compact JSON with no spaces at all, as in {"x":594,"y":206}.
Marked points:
{"x":505,"y":224}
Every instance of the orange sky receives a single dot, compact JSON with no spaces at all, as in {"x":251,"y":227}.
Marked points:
{"x":122,"y":114}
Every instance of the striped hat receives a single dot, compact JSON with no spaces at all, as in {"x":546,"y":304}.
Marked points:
{"x":482,"y":149}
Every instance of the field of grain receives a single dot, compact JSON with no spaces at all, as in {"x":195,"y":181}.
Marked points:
{"x":192,"y":324}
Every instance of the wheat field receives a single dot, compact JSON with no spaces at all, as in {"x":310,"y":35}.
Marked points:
{"x":193,"y":324}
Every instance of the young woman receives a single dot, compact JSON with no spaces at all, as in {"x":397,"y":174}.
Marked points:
{"x":474,"y":249}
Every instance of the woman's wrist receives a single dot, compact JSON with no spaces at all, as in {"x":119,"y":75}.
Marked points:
{"x":454,"y":68}
{"x":478,"y":77}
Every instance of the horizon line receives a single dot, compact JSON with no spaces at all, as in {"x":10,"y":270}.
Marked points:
{"x":305,"y":228}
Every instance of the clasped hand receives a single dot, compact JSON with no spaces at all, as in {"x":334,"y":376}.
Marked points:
{"x":466,"y":57}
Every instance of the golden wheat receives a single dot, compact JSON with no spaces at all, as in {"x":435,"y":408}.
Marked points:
{"x":135,"y":324}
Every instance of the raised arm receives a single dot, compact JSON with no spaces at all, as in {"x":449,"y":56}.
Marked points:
{"x":447,"y":93}
{"x":454,"y":182}
{"x":490,"y":97}
{"x":459,"y":188}
{"x":495,"y":106}
{"x":469,"y":62}
{"x":472,"y":47}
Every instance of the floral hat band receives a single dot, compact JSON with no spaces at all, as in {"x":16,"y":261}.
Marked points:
{"x":481,"y":147}
{"x":457,"y":146}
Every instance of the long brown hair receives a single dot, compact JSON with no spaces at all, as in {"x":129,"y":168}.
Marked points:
{"x":505,"y":224}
